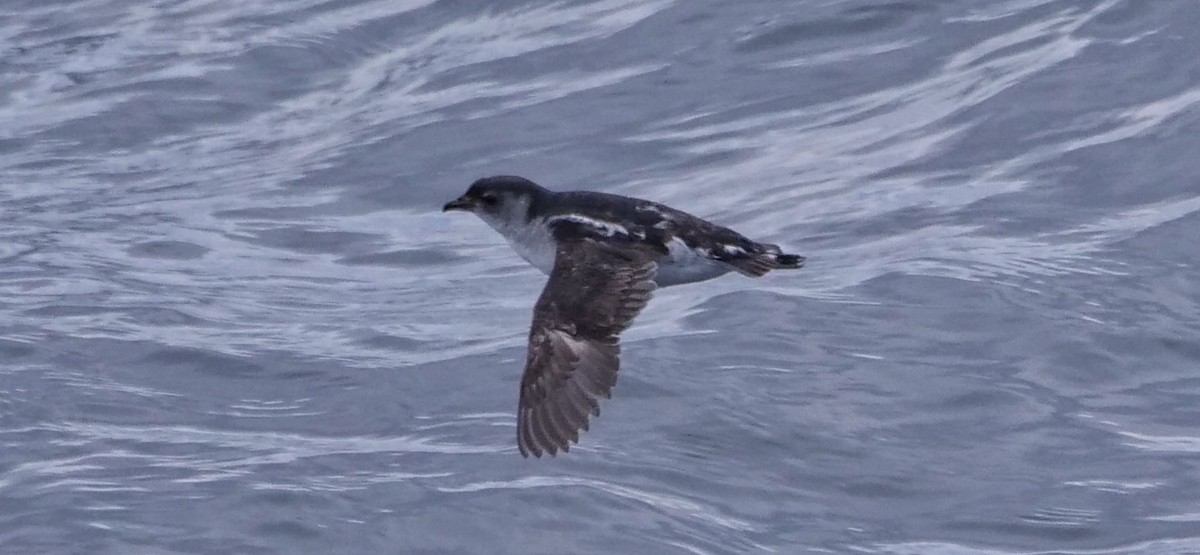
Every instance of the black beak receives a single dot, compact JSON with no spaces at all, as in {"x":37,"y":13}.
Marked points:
{"x":460,"y":203}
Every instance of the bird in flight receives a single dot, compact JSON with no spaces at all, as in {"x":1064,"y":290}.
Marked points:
{"x":605,"y":255}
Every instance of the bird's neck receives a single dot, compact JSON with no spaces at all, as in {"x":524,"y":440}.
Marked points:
{"x":514,"y":222}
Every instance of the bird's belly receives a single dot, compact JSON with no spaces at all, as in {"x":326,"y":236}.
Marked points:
{"x":684,"y":265}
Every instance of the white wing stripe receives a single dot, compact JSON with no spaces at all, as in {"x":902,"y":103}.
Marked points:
{"x":609,"y":229}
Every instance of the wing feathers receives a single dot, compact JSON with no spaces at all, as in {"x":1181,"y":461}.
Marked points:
{"x":594,"y":292}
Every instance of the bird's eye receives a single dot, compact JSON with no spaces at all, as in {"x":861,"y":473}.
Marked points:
{"x":489,"y":199}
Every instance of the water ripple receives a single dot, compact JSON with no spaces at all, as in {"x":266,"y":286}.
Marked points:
{"x":235,"y":321}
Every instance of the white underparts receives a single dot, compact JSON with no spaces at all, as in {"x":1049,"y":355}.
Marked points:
{"x":535,"y":244}
{"x":684,"y":264}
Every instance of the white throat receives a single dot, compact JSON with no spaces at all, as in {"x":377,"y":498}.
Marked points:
{"x":531,"y":240}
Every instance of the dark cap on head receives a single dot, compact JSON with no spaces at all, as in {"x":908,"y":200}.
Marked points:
{"x":487,"y":189}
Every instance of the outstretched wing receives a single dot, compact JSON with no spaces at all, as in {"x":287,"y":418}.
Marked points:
{"x":594,"y":292}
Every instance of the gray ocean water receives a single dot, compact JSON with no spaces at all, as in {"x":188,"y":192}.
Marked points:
{"x":234,"y":321}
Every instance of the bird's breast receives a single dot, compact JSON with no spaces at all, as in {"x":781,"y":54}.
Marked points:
{"x":533,"y":243}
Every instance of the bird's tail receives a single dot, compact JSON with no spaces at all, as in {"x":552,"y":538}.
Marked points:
{"x":765,"y":259}
{"x":789,"y":261}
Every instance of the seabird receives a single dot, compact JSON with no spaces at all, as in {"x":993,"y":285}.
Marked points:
{"x":605,"y":254}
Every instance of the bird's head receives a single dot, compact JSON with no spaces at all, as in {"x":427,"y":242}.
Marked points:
{"x":501,"y":201}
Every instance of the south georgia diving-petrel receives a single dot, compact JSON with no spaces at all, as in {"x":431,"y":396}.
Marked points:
{"x":605,"y":254}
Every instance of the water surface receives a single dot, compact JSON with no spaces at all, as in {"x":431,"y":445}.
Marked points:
{"x":233,"y":320}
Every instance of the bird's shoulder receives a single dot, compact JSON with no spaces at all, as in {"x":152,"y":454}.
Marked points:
{"x":615,"y":217}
